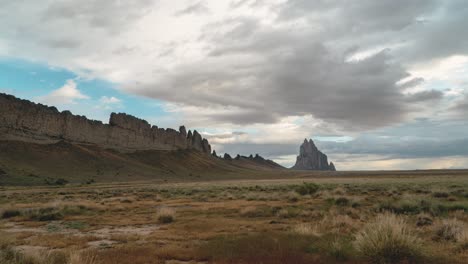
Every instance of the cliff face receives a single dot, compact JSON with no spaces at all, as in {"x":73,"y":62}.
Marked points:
{"x":26,"y":121}
{"x":310,"y":158}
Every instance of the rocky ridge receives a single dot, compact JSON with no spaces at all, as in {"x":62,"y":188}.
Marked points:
{"x":310,"y":158}
{"x":255,"y":159}
{"x":22,"y":120}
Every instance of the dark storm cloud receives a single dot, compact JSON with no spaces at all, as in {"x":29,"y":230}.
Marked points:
{"x":288,"y":69}
{"x":290,"y":78}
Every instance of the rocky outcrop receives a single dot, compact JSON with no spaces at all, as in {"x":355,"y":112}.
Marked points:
{"x":227,"y":156}
{"x":310,"y":158}
{"x":257,"y":159}
{"x":23,"y":120}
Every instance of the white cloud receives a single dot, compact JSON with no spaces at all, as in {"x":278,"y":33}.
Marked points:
{"x":109,"y":100}
{"x":109,"y":103}
{"x":67,"y":94}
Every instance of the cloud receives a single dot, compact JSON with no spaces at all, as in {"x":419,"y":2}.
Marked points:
{"x":264,"y":60}
{"x":226,"y":137}
{"x":67,"y":94}
{"x":364,"y":16}
{"x":198,"y":8}
{"x":392,"y":148}
{"x":431,"y":95}
{"x":288,"y":79}
{"x":461,"y":107}
{"x":113,"y":16}
{"x":109,"y":103}
{"x":109,"y":100}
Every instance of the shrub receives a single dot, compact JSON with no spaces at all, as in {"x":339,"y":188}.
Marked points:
{"x":424,"y":220}
{"x":9,"y":213}
{"x":402,"y":207}
{"x":44,"y":214}
{"x":340,"y":250}
{"x":258,"y":211}
{"x":307,"y":188}
{"x":388,"y":240}
{"x":450,"y":230}
{"x":463,"y":239}
{"x":51,"y":181}
{"x":288,"y":212}
{"x":342,"y":201}
{"x":440,"y":194}
{"x":166,"y":215}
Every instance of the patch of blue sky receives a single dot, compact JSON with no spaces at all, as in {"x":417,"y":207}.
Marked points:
{"x":30,"y":80}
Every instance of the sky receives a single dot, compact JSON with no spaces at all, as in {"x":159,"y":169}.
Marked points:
{"x":378,"y":85}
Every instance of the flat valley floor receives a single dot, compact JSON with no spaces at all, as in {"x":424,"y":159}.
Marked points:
{"x":393,"y":218}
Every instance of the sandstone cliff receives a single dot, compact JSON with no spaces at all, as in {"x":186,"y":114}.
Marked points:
{"x":310,"y":158}
{"x":23,"y":120}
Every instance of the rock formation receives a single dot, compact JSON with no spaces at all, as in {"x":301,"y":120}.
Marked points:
{"x":257,"y":159}
{"x":310,"y":158}
{"x":23,"y":120}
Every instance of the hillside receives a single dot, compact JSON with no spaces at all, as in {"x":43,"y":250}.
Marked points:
{"x":41,"y":145}
{"x":25,"y":163}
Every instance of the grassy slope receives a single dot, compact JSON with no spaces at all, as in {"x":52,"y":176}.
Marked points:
{"x":31,"y":164}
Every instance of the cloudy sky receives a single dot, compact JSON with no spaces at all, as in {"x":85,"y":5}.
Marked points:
{"x":377,"y":84}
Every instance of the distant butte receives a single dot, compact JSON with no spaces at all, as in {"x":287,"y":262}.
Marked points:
{"x":310,"y":158}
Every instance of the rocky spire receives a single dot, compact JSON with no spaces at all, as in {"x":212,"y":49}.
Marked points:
{"x":183,"y":131}
{"x":310,"y":158}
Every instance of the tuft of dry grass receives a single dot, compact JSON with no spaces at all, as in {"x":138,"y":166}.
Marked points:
{"x":307,"y":229}
{"x":450,"y":230}
{"x":10,"y":255}
{"x":389,"y":240}
{"x":166,"y":215}
{"x":75,"y":257}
